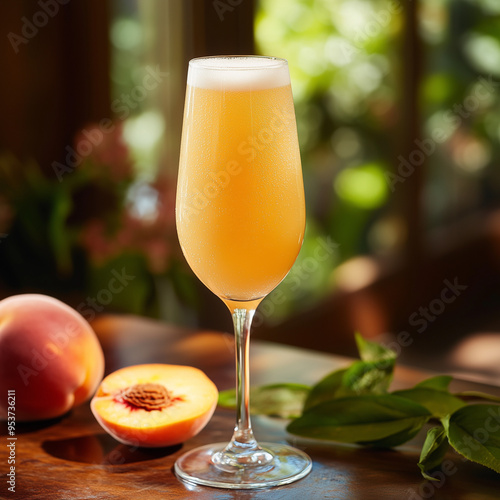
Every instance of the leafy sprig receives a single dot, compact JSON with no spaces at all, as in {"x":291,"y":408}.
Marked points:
{"x":354,"y":405}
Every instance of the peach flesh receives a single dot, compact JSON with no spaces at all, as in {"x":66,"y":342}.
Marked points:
{"x":131,"y":407}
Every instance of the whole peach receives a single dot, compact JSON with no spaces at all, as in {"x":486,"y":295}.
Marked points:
{"x":50,"y":358}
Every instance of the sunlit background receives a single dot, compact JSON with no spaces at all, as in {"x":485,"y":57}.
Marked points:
{"x":399,"y":125}
{"x":345,"y":64}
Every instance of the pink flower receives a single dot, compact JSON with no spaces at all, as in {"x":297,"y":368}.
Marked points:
{"x":106,"y":150}
{"x":97,"y":242}
{"x":152,"y":235}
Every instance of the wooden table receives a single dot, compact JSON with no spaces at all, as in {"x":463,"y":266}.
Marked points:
{"x":73,"y":458}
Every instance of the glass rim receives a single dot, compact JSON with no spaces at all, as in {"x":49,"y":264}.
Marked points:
{"x":198,"y":62}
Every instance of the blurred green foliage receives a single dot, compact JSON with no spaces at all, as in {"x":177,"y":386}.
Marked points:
{"x":343,"y":57}
{"x":460,"y":95}
{"x":346,"y":62}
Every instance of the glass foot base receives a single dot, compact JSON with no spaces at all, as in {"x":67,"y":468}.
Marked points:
{"x":288,"y":465}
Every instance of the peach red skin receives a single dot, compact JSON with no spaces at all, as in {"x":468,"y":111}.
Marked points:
{"x":49,"y":355}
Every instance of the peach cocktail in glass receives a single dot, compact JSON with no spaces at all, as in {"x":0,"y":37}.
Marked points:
{"x":240,"y":215}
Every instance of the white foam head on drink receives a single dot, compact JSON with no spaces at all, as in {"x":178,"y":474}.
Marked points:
{"x":238,"y":73}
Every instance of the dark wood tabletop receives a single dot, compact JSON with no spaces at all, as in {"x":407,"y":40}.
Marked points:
{"x":73,"y":458}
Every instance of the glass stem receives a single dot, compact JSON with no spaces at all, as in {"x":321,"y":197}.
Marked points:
{"x":243,"y":449}
{"x":243,"y":434}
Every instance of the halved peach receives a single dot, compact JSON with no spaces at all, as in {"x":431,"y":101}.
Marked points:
{"x":154,"y":405}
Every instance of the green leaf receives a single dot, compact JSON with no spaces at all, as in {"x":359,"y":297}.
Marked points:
{"x":227,"y":399}
{"x":376,"y":420}
{"x":398,"y":438}
{"x":59,"y":235}
{"x":326,"y":389}
{"x":276,"y":400}
{"x":477,"y":395}
{"x":372,"y":375}
{"x":433,"y":451}
{"x":372,"y":351}
{"x":474,"y":431}
{"x":364,"y":377}
{"x":439,"y":383}
{"x":361,"y":377}
{"x":438,"y":402}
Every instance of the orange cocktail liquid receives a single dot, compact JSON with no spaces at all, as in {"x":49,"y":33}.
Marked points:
{"x":240,"y":197}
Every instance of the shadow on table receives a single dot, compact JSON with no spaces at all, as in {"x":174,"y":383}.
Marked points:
{"x":102,"y":449}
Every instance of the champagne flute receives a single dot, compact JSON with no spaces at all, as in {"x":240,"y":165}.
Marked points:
{"x":240,"y":215}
